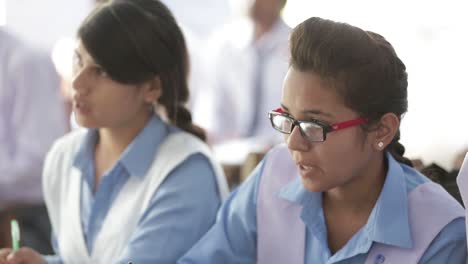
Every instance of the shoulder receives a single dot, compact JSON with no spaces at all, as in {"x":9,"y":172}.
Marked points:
{"x":58,"y":165}
{"x":188,"y":154}
{"x":278,"y":157}
{"x":413,"y":178}
{"x":178,"y":150}
{"x":436,"y":216}
{"x":62,"y":152}
{"x":69,"y":142}
{"x":424,"y":191}
{"x":430,"y":197}
{"x":181,"y":142}
{"x":449,"y":246}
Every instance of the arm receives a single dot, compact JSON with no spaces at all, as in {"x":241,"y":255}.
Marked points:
{"x":180,"y":212}
{"x":233,"y":238}
{"x":449,"y":246}
{"x":33,"y":118}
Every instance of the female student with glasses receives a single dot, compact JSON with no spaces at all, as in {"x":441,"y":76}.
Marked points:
{"x":339,"y":190}
{"x":135,"y":186}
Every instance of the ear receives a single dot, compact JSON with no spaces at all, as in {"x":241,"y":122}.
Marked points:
{"x":385,"y":131}
{"x":152,"y":90}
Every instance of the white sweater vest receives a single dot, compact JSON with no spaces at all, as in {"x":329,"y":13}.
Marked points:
{"x":61,"y":183}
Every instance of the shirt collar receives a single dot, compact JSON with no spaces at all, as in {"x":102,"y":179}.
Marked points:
{"x":137,"y":157}
{"x":391,"y":224}
{"x":85,"y":151}
{"x":388,"y":222}
{"x":311,"y":202}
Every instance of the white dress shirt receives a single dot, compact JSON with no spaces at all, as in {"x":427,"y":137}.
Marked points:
{"x":228,"y":107}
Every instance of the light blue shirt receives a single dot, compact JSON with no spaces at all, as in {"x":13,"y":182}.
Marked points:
{"x":180,"y":211}
{"x":233,"y":238}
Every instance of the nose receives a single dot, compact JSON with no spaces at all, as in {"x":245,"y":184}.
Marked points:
{"x":296,"y":141}
{"x":80,"y":81}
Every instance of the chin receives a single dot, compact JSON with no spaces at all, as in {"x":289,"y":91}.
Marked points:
{"x":314,"y":186}
{"x":85,"y":122}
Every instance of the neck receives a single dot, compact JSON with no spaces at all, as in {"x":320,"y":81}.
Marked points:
{"x":114,"y":140}
{"x":360,"y":195}
{"x":263,"y":27}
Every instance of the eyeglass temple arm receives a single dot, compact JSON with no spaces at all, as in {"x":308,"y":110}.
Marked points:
{"x":349,"y":123}
{"x":337,"y":126}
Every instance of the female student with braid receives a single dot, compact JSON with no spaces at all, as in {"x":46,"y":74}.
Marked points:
{"x":135,"y":186}
{"x":339,"y":190}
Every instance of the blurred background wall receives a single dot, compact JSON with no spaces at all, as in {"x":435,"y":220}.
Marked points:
{"x":430,"y":37}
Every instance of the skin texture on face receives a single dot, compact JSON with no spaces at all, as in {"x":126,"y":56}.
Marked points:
{"x":100,"y":102}
{"x":266,"y":11}
{"x":345,"y":156}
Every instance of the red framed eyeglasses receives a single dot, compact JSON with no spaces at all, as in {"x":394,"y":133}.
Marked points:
{"x":312,"y":130}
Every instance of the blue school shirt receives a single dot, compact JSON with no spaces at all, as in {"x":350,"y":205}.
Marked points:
{"x":233,"y":238}
{"x":180,"y":212}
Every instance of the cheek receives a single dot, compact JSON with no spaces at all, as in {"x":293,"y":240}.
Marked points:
{"x":119,"y":104}
{"x":341,"y":156}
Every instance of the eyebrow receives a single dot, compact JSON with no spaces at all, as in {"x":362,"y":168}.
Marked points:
{"x":311,"y":111}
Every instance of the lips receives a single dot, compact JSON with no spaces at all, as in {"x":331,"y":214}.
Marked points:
{"x":81,"y":106}
{"x":305,"y":167}
{"x":307,"y":170}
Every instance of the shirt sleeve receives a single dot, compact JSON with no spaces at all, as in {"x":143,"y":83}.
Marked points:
{"x":449,"y":246}
{"x":32,"y":116}
{"x":179,"y":213}
{"x":233,"y":238}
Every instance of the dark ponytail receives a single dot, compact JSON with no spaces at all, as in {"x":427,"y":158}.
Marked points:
{"x":398,"y":150}
{"x":135,"y":41}
{"x":181,"y":117}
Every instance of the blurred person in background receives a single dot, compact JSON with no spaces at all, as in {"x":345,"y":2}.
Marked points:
{"x":245,"y":76}
{"x":198,"y":20}
{"x":32,"y":116}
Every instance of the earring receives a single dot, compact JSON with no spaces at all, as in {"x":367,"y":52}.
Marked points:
{"x":380,"y":144}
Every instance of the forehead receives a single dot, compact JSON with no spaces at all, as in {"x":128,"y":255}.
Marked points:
{"x":306,"y":90}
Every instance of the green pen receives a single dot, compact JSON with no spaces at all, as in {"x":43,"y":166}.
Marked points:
{"x":15,"y":235}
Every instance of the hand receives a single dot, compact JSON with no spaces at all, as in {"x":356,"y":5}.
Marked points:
{"x":4,"y":252}
{"x":24,"y":255}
